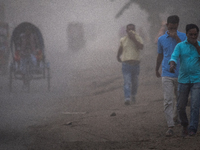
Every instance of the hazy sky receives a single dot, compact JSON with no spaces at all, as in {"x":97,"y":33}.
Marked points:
{"x":53,"y":16}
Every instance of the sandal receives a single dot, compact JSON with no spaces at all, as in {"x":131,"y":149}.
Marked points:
{"x":191,"y":133}
{"x":169,"y":132}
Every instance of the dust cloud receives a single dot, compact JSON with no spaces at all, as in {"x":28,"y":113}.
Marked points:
{"x":92,"y":52}
{"x":94,"y":31}
{"x":81,"y":39}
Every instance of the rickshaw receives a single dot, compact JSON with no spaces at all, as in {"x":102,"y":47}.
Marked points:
{"x":22,"y":65}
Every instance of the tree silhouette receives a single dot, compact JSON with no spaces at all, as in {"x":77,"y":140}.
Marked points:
{"x":187,"y":10}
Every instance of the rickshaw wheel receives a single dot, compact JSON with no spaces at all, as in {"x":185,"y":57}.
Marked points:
{"x":43,"y":69}
{"x":43,"y":73}
{"x":28,"y":76}
{"x":10,"y":77}
{"x":48,"y":77}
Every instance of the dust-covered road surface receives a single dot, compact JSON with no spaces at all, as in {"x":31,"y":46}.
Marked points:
{"x":85,"y":110}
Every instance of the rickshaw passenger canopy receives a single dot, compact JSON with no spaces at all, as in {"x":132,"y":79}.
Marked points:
{"x":20,"y":30}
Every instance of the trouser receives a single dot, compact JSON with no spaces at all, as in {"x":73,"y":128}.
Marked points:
{"x":130,"y":75}
{"x":183,"y":93}
{"x":170,"y":99}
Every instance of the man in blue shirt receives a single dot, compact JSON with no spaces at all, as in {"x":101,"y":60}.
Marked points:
{"x":188,"y":52}
{"x":166,"y":44}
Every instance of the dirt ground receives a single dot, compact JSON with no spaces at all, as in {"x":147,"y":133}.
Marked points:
{"x":96,"y":118}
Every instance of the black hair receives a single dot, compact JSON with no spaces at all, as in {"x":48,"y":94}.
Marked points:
{"x":174,"y":19}
{"x":191,"y":26}
{"x":130,"y":25}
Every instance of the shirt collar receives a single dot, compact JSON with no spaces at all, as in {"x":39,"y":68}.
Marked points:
{"x":186,"y":41}
{"x":166,"y":34}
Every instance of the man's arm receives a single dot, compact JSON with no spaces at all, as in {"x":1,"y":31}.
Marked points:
{"x":158,"y":63}
{"x":178,"y":40}
{"x":174,"y":58}
{"x":119,"y":53}
{"x":197,"y":47}
{"x":133,"y":38}
{"x":175,"y":36}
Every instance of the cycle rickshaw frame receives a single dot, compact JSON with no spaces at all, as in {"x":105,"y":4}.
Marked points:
{"x":13,"y":73}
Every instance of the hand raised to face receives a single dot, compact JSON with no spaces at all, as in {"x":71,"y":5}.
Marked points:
{"x":172,"y":34}
{"x":172,"y":29}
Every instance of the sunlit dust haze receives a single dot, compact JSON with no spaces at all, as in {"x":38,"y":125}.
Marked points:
{"x":86,"y":98}
{"x":81,"y":39}
{"x":97,"y":22}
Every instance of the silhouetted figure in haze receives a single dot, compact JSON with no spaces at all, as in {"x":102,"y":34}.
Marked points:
{"x":166,"y":44}
{"x":129,"y":55}
{"x":188,"y":52}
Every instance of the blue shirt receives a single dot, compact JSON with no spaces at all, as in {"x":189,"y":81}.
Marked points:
{"x":189,"y":62}
{"x":166,"y":45}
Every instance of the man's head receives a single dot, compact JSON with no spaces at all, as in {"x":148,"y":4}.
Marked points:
{"x":172,"y":23}
{"x":192,"y":32}
{"x":174,"y":19}
{"x":130,"y":27}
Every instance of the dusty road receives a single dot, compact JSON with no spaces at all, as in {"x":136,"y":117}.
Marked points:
{"x":76,"y":114}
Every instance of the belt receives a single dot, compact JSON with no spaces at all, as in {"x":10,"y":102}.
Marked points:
{"x":132,"y":62}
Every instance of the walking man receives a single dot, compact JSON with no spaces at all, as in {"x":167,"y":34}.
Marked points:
{"x":188,"y":52}
{"x":166,"y":44}
{"x":129,"y":55}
